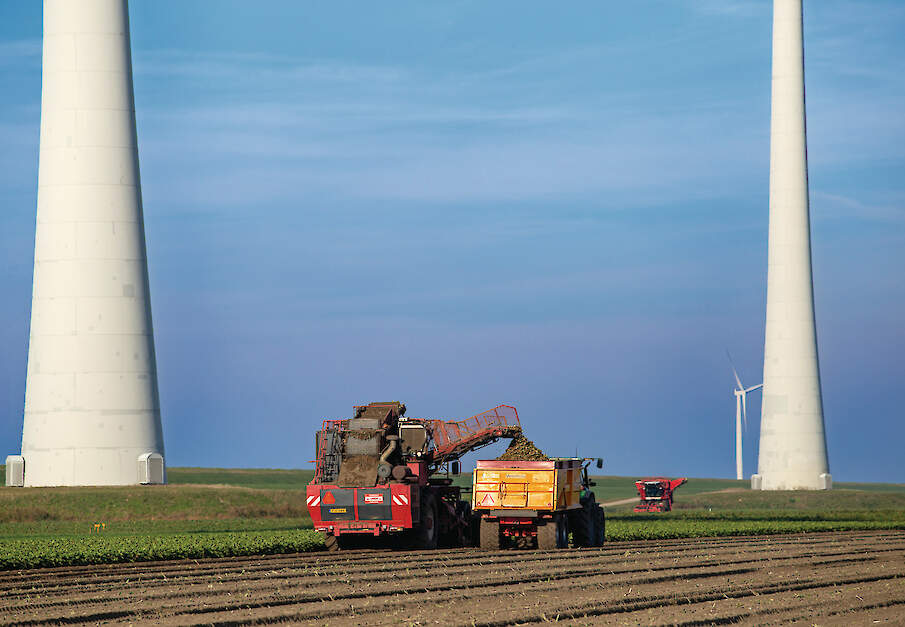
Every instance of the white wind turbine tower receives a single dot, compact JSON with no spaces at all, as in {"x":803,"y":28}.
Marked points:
{"x":741,"y":414}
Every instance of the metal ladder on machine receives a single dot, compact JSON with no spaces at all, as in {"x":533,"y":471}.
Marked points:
{"x":328,"y":459}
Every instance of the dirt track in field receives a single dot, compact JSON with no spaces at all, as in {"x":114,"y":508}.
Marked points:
{"x":822,"y":578}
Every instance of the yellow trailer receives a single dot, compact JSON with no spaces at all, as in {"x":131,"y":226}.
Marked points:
{"x":519,"y":501}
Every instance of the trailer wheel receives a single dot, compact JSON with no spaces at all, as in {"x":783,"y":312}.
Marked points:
{"x":490,"y":535}
{"x":426,"y":534}
{"x":553,"y":534}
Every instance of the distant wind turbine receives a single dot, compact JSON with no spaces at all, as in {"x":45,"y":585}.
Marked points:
{"x":741,"y":413}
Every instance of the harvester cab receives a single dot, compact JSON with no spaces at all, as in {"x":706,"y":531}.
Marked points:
{"x":657,"y":493}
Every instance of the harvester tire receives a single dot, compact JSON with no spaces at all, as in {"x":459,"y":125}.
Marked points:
{"x":463,"y":524}
{"x":429,"y":527}
{"x":331,"y":542}
{"x":490,"y":535}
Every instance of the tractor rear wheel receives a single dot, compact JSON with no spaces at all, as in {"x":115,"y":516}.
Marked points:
{"x":581,"y":523}
{"x":490,"y":535}
{"x":600,"y":527}
{"x":562,"y":532}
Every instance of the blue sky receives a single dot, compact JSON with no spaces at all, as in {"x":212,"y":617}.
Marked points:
{"x":458,"y":204}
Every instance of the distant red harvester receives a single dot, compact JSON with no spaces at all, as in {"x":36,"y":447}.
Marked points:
{"x":656,"y":493}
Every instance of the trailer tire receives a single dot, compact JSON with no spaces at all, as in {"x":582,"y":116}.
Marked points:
{"x":553,"y":534}
{"x":490,"y":535}
{"x":546,"y":535}
{"x":426,"y":534}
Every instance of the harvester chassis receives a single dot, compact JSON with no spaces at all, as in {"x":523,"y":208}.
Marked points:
{"x":379,"y":475}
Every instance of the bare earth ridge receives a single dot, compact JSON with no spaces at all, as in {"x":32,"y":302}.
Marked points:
{"x":821,"y":578}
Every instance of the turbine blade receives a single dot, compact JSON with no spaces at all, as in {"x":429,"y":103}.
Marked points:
{"x":737,"y":380}
{"x":755,"y":387}
{"x":745,"y":411}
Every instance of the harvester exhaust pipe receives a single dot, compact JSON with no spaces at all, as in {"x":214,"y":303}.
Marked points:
{"x":388,"y":451}
{"x":384,"y":469}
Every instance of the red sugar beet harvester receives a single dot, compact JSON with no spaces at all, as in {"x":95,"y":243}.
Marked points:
{"x":656,"y":493}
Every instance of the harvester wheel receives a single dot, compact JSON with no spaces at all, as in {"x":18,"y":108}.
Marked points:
{"x":490,"y":535}
{"x":463,"y":524}
{"x":331,"y":542}
{"x":426,"y":534}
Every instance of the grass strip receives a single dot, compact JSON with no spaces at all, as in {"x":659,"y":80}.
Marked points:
{"x":100,"y":549}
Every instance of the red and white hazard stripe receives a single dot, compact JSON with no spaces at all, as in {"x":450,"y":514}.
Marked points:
{"x":314,"y":501}
{"x":400,"y":499}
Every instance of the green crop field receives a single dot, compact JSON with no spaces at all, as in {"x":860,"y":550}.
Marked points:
{"x":266,"y":478}
{"x":202,"y":512}
{"x":210,"y":512}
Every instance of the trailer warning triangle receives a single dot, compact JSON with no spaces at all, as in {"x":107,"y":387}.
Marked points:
{"x":487,"y":500}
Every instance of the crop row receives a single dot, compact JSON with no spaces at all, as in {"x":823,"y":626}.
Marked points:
{"x":100,"y":549}
{"x":44,"y":551}
{"x":57,"y":528}
{"x":661,"y":528}
{"x":888,"y":515}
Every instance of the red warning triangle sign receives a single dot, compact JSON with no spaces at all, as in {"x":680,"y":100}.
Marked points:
{"x":487,"y":500}
{"x":329,"y":499}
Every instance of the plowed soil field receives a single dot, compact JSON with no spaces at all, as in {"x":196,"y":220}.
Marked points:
{"x":821,"y":578}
